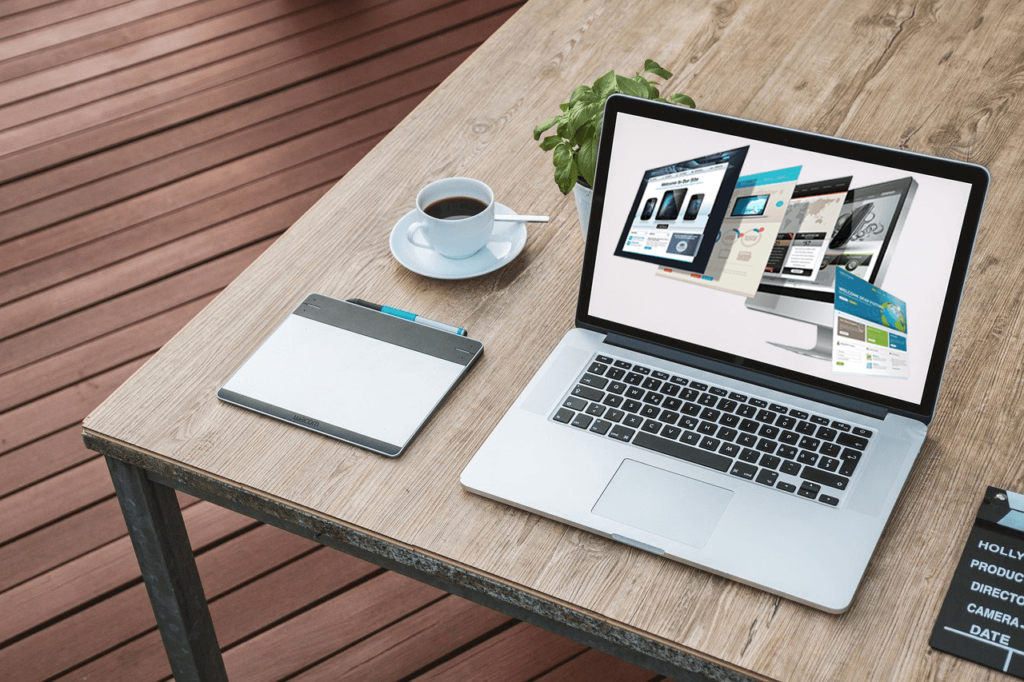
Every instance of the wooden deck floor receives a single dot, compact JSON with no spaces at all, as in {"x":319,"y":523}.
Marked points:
{"x":150,"y":150}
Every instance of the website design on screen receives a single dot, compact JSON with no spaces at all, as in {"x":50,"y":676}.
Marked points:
{"x":787,"y":218}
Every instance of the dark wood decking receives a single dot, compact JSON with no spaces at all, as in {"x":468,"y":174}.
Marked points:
{"x":150,"y":150}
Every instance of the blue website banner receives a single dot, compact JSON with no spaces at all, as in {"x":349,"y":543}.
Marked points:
{"x":770,"y":177}
{"x":859,"y":298}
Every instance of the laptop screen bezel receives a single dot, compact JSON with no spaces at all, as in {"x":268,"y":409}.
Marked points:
{"x":974,"y":175}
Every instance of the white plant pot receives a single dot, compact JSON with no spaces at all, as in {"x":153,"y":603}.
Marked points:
{"x":583,"y":196}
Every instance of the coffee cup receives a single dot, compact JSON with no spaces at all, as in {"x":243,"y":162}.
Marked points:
{"x":454,"y":217}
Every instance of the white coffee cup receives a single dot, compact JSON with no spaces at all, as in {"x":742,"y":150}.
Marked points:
{"x":455,"y":217}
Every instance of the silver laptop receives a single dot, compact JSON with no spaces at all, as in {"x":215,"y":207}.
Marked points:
{"x":762,"y":323}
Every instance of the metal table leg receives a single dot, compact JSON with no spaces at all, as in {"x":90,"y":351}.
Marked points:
{"x":161,"y":544}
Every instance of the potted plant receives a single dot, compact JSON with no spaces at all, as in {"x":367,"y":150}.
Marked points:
{"x":578,"y":127}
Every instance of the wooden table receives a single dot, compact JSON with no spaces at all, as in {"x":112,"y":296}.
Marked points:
{"x":942,"y":79}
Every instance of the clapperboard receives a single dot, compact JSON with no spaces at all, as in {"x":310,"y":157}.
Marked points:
{"x":982,"y":618}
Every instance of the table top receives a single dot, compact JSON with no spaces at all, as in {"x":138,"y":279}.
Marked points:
{"x":943,"y":81}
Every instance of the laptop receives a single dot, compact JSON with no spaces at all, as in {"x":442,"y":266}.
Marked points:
{"x":750,"y":377}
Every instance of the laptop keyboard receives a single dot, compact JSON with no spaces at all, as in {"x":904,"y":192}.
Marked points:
{"x":775,"y":445}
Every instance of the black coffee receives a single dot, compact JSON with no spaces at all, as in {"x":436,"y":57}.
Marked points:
{"x":453,"y":208}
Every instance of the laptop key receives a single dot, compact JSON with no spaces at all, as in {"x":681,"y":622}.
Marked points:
{"x":807,"y":458}
{"x":825,"y":478}
{"x":604,"y":359}
{"x":729,"y":420}
{"x":660,"y":375}
{"x":614,"y":415}
{"x":770,"y":462}
{"x":748,"y":455}
{"x":620,"y":432}
{"x":828,"y":499}
{"x":765,"y":417}
{"x":612,"y":400}
{"x":596,"y":409}
{"x":671,"y":390}
{"x":808,"y":490}
{"x":850,"y":455}
{"x":672,"y":404}
{"x":729,"y":449}
{"x":692,"y":409}
{"x":789,"y":437}
{"x":597,"y":368}
{"x":785,"y":487}
{"x":633,"y":379}
{"x":847,"y":468}
{"x":682,"y":451}
{"x":798,"y":414}
{"x":651,"y":384}
{"x":774,"y":407}
{"x":746,"y":411}
{"x":749,"y":425}
{"x":615,"y":373}
{"x":857,"y":431}
{"x":633,"y":420}
{"x":582,"y":421}
{"x":768,"y":431}
{"x":828,"y":464}
{"x":738,"y":397}
{"x":726,"y":405}
{"x":710,"y":414}
{"x":853,"y":441}
{"x":817,"y":419}
{"x":653,"y":398}
{"x":841,"y":426}
{"x":757,"y":402}
{"x":765,"y":445}
{"x":830,"y":449}
{"x":564,"y":415}
{"x":806,"y":428}
{"x":635,"y":392}
{"x":767,"y":477}
{"x":725,"y":433}
{"x":600,"y":426}
{"x":826,"y":433}
{"x":747,"y":439}
{"x":575,"y":404}
{"x":707,"y":428}
{"x":743,"y":470}
{"x":671,"y":432}
{"x":697,"y":386}
{"x":588,"y":393}
{"x":689,"y":394}
{"x":791,"y":468}
{"x":651,"y":426}
{"x":678,"y":380}
{"x":709,"y":443}
{"x":786,"y":451}
{"x":707,"y":399}
{"x":623,"y":364}
{"x":649,"y":411}
{"x":632,"y":406}
{"x":593,"y":380}
{"x":786,"y":422}
{"x":690,"y":437}
{"x":641,"y":370}
{"x":668,"y":416}
{"x":718,"y":391}
{"x":689,"y":423}
{"x":808,"y":443}
{"x":617,"y":387}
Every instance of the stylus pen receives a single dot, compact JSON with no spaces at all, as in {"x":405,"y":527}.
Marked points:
{"x":412,"y":317}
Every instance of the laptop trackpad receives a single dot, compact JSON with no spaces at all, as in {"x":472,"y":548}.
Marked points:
{"x":676,"y":507}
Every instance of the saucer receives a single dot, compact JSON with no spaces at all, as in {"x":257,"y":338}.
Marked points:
{"x":506,"y":243}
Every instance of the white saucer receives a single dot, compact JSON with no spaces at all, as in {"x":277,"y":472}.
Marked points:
{"x":506,"y":243}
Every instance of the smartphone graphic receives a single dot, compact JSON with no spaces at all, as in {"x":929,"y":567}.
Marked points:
{"x":649,"y":208}
{"x":670,"y":203}
{"x":694,"y":207}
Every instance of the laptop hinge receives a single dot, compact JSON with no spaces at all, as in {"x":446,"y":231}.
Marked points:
{"x":749,"y":375}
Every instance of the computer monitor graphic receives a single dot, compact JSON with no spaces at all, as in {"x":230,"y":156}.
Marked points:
{"x":863,"y":242}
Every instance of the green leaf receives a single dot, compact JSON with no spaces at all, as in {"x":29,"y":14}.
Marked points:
{"x":565,"y":176}
{"x":583,"y":116}
{"x":651,"y":66}
{"x":562,"y":153}
{"x":549,"y":142}
{"x":652,"y":91}
{"x":586,"y":159}
{"x":544,"y":126}
{"x":605,"y":85}
{"x":631,"y":87}
{"x":583,"y":94}
{"x":685,"y":100}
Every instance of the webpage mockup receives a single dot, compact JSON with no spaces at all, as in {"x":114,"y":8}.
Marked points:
{"x":806,"y":230}
{"x":889,"y":224}
{"x":870,"y":332}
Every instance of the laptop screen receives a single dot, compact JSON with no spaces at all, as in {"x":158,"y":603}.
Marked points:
{"x":822,"y":261}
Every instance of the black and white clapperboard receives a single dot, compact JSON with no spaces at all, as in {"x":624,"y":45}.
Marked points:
{"x":982,"y":618}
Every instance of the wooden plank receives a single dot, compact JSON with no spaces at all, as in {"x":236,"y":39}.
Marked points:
{"x":500,"y":657}
{"x":127,"y":615}
{"x":328,"y":627}
{"x":411,"y":644}
{"x":59,"y":410}
{"x":76,"y":38}
{"x":121,"y":184}
{"x":189,"y":134}
{"x":164,"y":56}
{"x":24,"y":15}
{"x":206,"y":184}
{"x":102,"y":571}
{"x":42,"y":458}
{"x":65,"y":540}
{"x":173,"y":101}
{"x":597,"y":666}
{"x":242,"y":613}
{"x":114,"y":313}
{"x":94,"y":357}
{"x":54,"y":498}
{"x":212,"y":74}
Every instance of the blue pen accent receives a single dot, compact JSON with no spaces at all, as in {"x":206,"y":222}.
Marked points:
{"x":412,"y":317}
